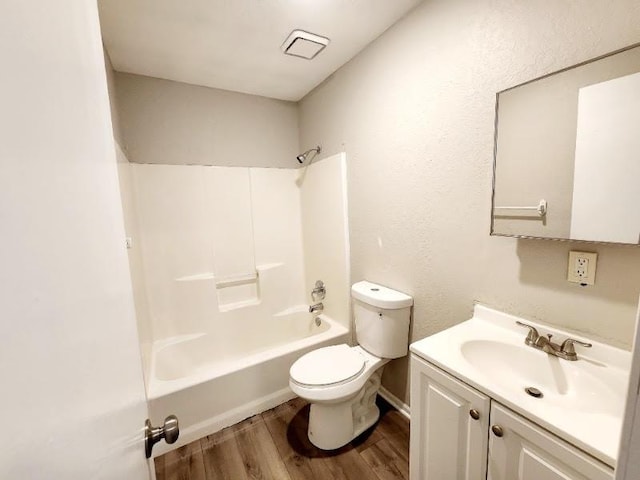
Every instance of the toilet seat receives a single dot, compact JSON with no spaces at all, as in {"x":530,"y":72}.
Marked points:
{"x":327,"y":366}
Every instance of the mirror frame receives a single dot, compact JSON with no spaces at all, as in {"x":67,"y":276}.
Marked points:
{"x":495,"y":152}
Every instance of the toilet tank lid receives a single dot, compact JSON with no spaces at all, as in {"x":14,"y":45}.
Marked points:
{"x":379,"y":296}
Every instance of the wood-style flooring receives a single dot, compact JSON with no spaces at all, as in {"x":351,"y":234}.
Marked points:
{"x":274,"y":446}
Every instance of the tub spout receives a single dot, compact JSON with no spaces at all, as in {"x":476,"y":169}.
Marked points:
{"x":318,"y":307}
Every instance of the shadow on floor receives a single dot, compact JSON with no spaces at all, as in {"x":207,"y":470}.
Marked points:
{"x":300,"y":443}
{"x":274,"y":445}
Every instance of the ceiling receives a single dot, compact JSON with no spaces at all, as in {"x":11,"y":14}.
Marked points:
{"x":235,"y":44}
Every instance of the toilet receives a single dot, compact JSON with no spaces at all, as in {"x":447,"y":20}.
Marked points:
{"x":341,"y":382}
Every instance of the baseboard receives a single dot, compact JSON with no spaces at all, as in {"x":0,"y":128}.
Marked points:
{"x":402,"y":407}
{"x":226,"y":419}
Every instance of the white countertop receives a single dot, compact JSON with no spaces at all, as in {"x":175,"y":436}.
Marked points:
{"x":583,"y":401}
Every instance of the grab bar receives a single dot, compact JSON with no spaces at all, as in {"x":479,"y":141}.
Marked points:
{"x":541,"y":208}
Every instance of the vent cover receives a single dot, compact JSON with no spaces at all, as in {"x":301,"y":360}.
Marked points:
{"x":304,"y":44}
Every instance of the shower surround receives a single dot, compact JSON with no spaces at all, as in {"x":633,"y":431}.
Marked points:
{"x":223,"y":260}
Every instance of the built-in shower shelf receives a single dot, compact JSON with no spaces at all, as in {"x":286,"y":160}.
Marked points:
{"x":196,"y":278}
{"x":230,"y":280}
{"x":234,"y":280}
{"x":227,"y":307}
{"x":238,"y":291}
{"x":234,"y":292}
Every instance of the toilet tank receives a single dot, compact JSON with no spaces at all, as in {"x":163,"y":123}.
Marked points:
{"x":382,"y":317}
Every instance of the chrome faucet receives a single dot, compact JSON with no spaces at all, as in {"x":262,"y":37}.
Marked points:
{"x":318,"y":307}
{"x":565,"y":350}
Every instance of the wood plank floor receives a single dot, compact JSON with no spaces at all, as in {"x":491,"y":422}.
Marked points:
{"x":274,"y":446}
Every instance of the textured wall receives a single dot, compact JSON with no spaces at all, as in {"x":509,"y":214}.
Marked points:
{"x":178,"y":124}
{"x":415,"y":112}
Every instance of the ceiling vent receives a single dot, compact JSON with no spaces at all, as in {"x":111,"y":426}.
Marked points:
{"x":304,"y":44}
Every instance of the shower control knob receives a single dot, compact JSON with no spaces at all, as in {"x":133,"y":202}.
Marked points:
{"x":319,"y":292}
{"x":170,"y":431}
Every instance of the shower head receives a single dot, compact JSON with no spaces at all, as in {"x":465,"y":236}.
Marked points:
{"x":303,"y":156}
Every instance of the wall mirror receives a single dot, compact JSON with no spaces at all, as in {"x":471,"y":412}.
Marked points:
{"x":567,"y":154}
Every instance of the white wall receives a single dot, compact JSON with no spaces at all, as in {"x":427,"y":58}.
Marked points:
{"x":72,"y":390}
{"x":111,"y":86}
{"x":415,"y":114}
{"x":277,"y":229}
{"x":176,"y":123}
{"x":193,"y":227}
{"x":200,"y":226}
{"x":134,"y":255}
{"x":325,"y":230}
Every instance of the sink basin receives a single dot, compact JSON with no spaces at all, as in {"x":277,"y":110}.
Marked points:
{"x":582,"y":401}
{"x":563,"y":384}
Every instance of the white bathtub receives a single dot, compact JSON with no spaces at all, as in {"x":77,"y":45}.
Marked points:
{"x":210,"y":382}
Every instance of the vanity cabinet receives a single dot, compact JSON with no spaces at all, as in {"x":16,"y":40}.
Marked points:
{"x":449,"y":425}
{"x":459,"y":433}
{"x":524,"y":451}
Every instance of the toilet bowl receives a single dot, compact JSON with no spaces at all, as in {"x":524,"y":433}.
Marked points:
{"x":341,"y":382}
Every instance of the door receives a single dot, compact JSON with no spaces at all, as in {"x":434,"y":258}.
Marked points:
{"x":520,"y":450}
{"x":628,"y":467}
{"x":73,"y":402}
{"x":449,"y":423}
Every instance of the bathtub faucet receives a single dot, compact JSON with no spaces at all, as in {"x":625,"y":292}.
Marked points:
{"x":318,"y":307}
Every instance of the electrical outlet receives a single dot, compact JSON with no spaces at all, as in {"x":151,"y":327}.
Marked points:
{"x":582,"y":267}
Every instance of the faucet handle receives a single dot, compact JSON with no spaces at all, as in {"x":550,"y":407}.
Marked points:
{"x":319,"y":291}
{"x":533,"y":334}
{"x":568,"y":348}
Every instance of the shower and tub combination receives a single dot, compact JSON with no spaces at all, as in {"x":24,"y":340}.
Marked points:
{"x":211,"y":382}
{"x":224,"y":264}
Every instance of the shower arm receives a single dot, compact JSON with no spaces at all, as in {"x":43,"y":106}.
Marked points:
{"x":303,"y":156}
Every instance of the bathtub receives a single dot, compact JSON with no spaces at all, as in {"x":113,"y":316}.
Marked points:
{"x":210,"y":382}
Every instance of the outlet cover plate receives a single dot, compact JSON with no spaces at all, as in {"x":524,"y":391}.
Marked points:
{"x":582,"y":267}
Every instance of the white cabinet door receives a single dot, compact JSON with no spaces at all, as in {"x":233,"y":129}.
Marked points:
{"x":525,"y":451}
{"x":447,"y":442}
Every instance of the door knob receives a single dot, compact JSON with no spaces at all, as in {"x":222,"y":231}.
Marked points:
{"x":170,"y":431}
{"x":475,"y":414}
{"x":497,"y":430}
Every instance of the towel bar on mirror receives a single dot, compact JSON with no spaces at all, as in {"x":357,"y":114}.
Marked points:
{"x":541,"y":208}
